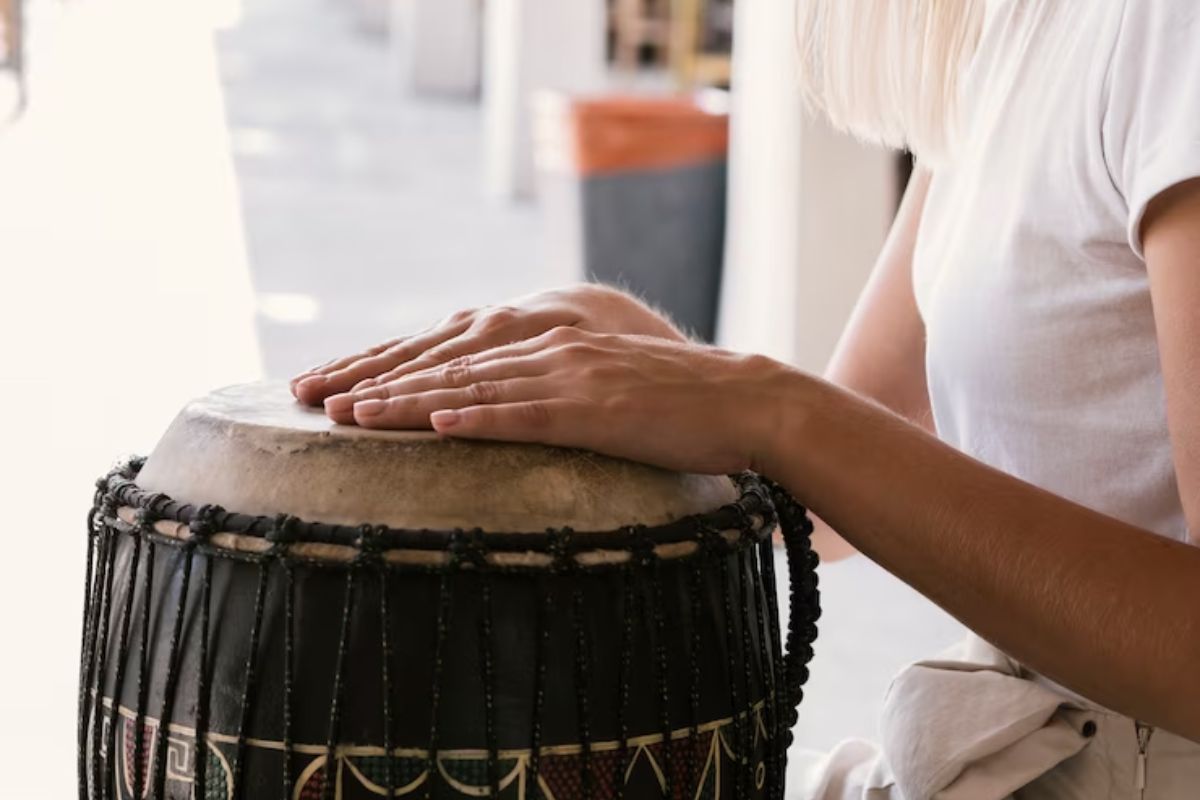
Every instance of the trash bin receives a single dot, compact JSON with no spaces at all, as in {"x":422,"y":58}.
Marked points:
{"x":633,"y":189}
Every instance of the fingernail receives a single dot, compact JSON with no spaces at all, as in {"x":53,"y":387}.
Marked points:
{"x":368,"y":408}
{"x":339,"y":402}
{"x":445,"y":419}
{"x":315,"y":380}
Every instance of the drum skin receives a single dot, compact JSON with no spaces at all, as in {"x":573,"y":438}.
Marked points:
{"x":516,"y":663}
{"x":253,"y":448}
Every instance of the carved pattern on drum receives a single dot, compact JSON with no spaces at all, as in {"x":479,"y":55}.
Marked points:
{"x":360,"y":770}
{"x":180,"y":750}
{"x":128,"y":735}
{"x":218,"y":780}
{"x":409,"y":772}
{"x":178,"y":762}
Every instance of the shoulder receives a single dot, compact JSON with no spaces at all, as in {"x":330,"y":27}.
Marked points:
{"x":1151,"y":125}
{"x":1154,"y":61}
{"x":1142,"y":23}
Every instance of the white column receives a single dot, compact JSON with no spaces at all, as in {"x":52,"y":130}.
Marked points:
{"x":436,"y":45}
{"x":847,"y":200}
{"x":372,"y":16}
{"x":762,"y":234}
{"x":531,"y":45}
{"x":808,"y":207}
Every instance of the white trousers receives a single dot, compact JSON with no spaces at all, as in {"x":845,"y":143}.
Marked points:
{"x":969,"y":725}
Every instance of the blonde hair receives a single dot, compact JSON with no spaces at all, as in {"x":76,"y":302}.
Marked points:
{"x":888,"y":70}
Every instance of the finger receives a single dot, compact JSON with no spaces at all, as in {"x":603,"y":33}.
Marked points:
{"x":559,"y":421}
{"x":456,"y":374}
{"x":299,"y":376}
{"x":337,"y":363}
{"x":345,"y":373}
{"x":412,"y":411}
{"x":307,"y":385}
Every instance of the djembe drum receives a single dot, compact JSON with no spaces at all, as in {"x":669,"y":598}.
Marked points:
{"x":278,"y":607}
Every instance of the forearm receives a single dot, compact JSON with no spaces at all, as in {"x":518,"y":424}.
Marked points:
{"x":1098,"y":605}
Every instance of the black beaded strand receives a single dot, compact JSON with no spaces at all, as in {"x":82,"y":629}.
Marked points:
{"x":146,"y":518}
{"x":582,"y":687}
{"x":731,"y":647}
{"x":445,"y":608}
{"x":145,"y":528}
{"x":659,"y":635}
{"x":289,"y":637}
{"x":109,"y":779}
{"x":803,"y":598}
{"x":744,"y":602}
{"x":102,"y":648}
{"x":202,"y":526}
{"x":694,"y":584}
{"x":250,"y":682}
{"x":85,"y":646}
{"x":541,"y":646}
{"x":100,"y":530}
{"x":765,"y":635}
{"x":158,"y":767}
{"x":281,"y":535}
{"x":804,"y":601}
{"x":479,"y":561}
{"x":339,"y":688}
{"x":777,"y":729}
{"x":624,"y":669}
{"x":385,"y":644}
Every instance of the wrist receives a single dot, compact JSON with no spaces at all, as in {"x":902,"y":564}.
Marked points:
{"x":788,"y":401}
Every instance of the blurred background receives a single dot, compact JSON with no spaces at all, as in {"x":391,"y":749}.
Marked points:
{"x":200,"y":193}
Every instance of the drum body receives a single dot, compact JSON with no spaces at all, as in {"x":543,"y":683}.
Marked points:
{"x":237,"y":653}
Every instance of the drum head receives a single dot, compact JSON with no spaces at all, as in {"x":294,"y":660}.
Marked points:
{"x":252,"y":448}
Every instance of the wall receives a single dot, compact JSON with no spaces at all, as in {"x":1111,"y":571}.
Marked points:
{"x":808,"y":207}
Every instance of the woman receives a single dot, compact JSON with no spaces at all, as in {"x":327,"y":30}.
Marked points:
{"x":1035,"y":304}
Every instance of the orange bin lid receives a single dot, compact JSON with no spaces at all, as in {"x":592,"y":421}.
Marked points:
{"x":617,"y":134}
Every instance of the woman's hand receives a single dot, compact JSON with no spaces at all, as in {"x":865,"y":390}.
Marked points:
{"x":677,"y":405}
{"x":589,"y":307}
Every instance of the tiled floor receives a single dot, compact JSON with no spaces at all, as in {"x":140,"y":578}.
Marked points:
{"x":141,"y":263}
{"x":355,"y":196}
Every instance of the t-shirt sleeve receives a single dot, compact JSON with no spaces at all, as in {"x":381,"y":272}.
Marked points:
{"x":1151,"y":128}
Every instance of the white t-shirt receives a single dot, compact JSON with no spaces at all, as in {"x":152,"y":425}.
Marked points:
{"x":1041,"y":352}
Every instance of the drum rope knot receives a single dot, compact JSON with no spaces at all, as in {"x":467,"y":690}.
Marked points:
{"x":203,"y":523}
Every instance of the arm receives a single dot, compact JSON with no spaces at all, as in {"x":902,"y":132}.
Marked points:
{"x":1098,"y":605}
{"x":1171,"y":238}
{"x":881,"y":354}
